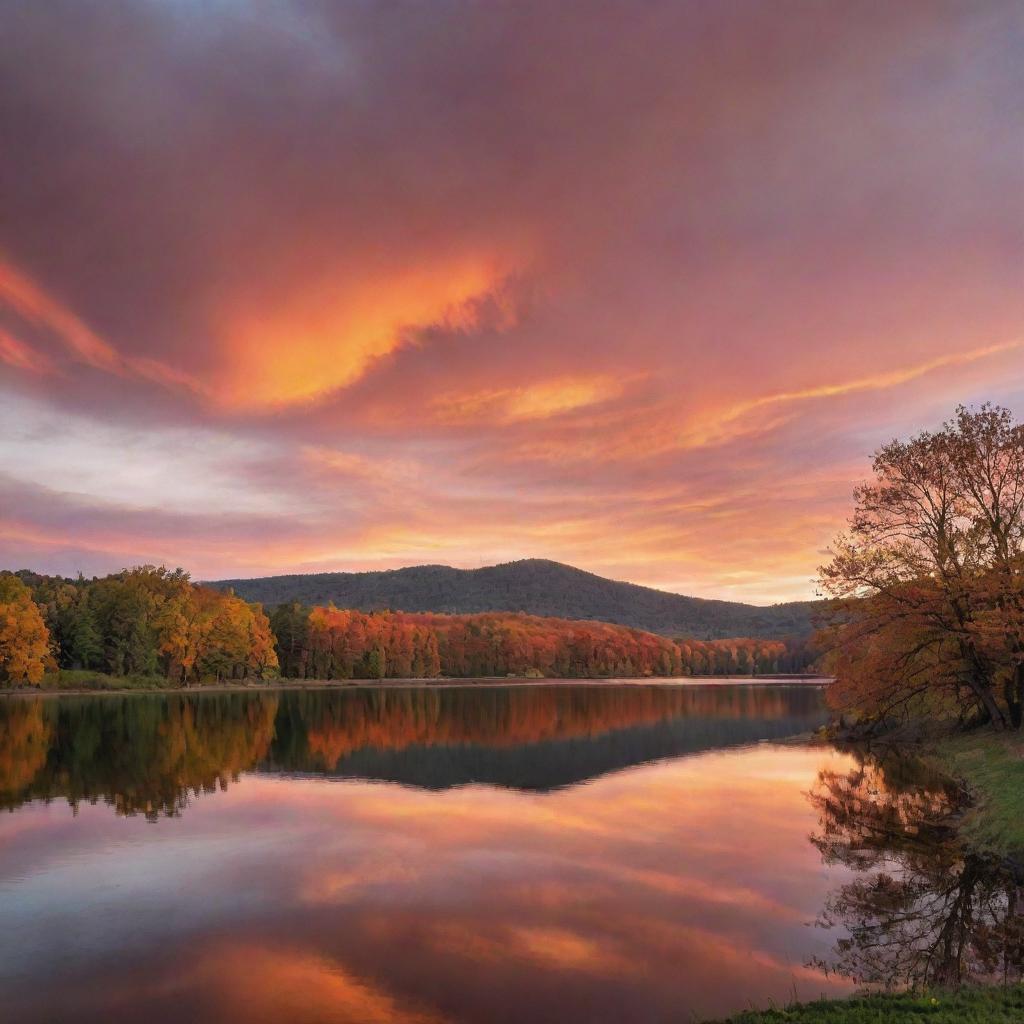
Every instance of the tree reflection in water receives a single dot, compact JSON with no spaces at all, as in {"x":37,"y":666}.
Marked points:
{"x":142,"y":755}
{"x":150,"y":754}
{"x":923,"y":908}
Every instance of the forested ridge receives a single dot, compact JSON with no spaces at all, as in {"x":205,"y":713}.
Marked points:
{"x":537,"y":587}
{"x":151,"y":622}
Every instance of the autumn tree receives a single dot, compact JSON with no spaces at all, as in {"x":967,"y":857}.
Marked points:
{"x":337,"y":643}
{"x":24,"y":638}
{"x":987,"y":450}
{"x":928,"y":577}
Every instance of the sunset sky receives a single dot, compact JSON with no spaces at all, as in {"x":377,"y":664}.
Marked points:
{"x":318,"y":285}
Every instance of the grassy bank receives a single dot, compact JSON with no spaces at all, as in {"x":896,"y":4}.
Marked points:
{"x":75,"y":680}
{"x":966,"y":1006}
{"x":991,"y":766}
{"x":72,"y":681}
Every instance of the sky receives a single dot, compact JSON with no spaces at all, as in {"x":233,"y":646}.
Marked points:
{"x":320,"y":285}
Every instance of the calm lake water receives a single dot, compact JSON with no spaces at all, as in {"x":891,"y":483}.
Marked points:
{"x":542,"y":853}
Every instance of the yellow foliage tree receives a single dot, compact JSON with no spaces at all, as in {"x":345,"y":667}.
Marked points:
{"x":24,"y":638}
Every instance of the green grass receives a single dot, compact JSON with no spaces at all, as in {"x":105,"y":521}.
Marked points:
{"x":991,"y":765}
{"x":82,"y":679}
{"x":67,"y":679}
{"x":966,"y":1006}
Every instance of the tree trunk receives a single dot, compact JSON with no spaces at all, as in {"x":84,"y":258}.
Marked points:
{"x":995,"y":712}
{"x":1016,"y":696}
{"x":978,"y":682}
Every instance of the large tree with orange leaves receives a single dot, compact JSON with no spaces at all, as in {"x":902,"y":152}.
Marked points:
{"x":930,"y":577}
{"x":24,"y":639}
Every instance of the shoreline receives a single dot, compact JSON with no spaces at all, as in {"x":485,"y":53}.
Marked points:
{"x":999,"y":1004}
{"x":990,"y":767}
{"x":242,"y":686}
{"x":985,"y":765}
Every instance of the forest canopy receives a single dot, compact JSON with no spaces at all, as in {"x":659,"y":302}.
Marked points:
{"x":151,"y":621}
{"x":333,"y":643}
{"x":144,"y":621}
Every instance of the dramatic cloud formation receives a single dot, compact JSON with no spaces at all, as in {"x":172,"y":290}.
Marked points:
{"x":312,"y":285}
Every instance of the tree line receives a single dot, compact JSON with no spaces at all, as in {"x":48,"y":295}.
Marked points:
{"x":150,"y":621}
{"x":332,"y":643}
{"x":928,"y":619}
{"x":145,"y":621}
{"x":744,"y":656}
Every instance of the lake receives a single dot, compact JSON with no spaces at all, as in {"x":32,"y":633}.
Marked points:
{"x":541,"y":853}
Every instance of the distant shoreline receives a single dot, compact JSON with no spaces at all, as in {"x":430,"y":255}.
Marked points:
{"x":414,"y":683}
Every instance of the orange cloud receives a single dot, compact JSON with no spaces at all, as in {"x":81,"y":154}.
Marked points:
{"x":321,"y":339}
{"x":27,"y":299}
{"x":555,"y":948}
{"x":544,"y":947}
{"x":538,"y":401}
{"x":35,"y":307}
{"x":327,"y":335}
{"x":729,"y":423}
{"x":21,"y":356}
{"x":271,"y":983}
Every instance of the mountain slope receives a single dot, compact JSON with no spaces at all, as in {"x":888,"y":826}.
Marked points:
{"x":536,"y":586}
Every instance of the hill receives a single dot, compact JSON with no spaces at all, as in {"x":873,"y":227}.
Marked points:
{"x":535,"y":586}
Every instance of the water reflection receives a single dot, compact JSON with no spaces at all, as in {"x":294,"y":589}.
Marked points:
{"x":534,"y":737}
{"x":548,"y":856}
{"x":664,"y":888}
{"x":140,"y":754}
{"x":922,"y":908}
{"x":148,"y":754}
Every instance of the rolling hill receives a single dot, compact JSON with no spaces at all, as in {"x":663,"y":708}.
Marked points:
{"x":536,"y":586}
